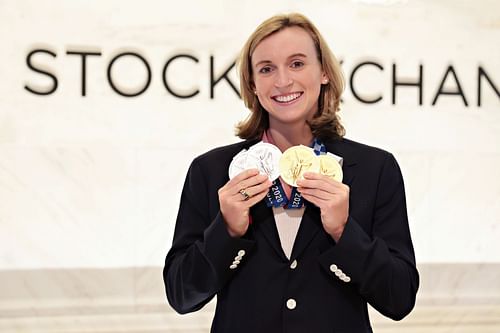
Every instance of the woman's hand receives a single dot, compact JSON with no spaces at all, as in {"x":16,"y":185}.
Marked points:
{"x":238,"y":195}
{"x":332,"y":198}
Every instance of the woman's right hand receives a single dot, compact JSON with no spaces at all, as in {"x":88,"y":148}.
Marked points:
{"x":238,"y":195}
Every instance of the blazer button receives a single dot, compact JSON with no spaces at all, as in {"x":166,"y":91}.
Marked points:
{"x":333,"y":268}
{"x":233,"y":266}
{"x":241,"y":253}
{"x":293,"y":265}
{"x":291,"y":304}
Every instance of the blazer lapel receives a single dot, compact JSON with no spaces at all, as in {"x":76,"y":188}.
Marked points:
{"x":263,"y":222}
{"x":309,"y":227}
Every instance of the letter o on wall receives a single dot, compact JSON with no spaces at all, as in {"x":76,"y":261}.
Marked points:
{"x":114,"y":86}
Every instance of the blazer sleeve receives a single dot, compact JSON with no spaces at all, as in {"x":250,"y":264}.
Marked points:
{"x":203,"y":256}
{"x":381,"y":265}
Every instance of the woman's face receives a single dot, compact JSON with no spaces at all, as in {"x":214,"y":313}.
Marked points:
{"x":288,"y":76}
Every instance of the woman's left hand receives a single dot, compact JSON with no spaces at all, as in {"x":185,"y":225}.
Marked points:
{"x":332,"y":198}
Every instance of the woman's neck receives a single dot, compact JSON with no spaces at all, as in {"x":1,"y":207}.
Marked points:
{"x":285,"y":138}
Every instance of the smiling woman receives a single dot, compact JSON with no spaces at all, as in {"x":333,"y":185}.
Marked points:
{"x":288,"y":78}
{"x":301,"y":255}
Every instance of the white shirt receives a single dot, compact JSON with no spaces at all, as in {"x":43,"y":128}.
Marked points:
{"x":288,"y":223}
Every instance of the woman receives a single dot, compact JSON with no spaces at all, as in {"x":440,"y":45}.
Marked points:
{"x":313,"y":267}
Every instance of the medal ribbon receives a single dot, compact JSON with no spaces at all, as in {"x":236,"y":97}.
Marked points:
{"x":276,"y":197}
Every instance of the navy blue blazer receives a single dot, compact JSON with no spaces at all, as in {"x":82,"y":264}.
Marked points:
{"x":325,"y":286}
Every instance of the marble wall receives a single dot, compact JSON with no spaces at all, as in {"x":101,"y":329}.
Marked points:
{"x":94,"y":180}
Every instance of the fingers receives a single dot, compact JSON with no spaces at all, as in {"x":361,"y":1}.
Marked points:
{"x":256,"y":189}
{"x":257,"y":197}
{"x":314,"y":176}
{"x":311,"y":194}
{"x":317,"y":201}
{"x":244,"y":181}
{"x":252,"y":185}
{"x":315,"y":185}
{"x":240,"y":177}
{"x":243,"y":176}
{"x":314,"y":180}
{"x":245,"y":189}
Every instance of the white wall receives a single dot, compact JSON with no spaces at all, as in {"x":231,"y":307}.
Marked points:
{"x":94,"y":181}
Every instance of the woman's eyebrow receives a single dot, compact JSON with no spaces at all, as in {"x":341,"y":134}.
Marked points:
{"x":262,"y":62}
{"x":300,"y":55}
{"x":295,"y":55}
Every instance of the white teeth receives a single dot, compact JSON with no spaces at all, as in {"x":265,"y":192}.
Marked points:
{"x":287,"y":98}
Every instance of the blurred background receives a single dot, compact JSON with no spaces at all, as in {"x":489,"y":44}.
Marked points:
{"x":104,"y":104}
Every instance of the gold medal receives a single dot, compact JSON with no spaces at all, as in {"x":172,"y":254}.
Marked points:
{"x":295,"y":161}
{"x":330,"y":167}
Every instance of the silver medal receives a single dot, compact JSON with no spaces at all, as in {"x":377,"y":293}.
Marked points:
{"x":238,"y":163}
{"x":265,"y":157}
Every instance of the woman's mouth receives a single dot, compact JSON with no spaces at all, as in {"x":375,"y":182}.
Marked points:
{"x":287,"y":98}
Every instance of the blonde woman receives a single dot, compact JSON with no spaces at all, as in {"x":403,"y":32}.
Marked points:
{"x":301,"y":258}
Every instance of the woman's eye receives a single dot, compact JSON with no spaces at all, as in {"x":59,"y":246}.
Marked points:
{"x":265,"y":70}
{"x":297,"y":64}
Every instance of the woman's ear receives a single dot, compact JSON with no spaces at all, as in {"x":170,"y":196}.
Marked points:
{"x":324,"y":78}
{"x":252,"y":87}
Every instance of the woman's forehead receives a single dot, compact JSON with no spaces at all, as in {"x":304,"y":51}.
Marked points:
{"x":284,"y":44}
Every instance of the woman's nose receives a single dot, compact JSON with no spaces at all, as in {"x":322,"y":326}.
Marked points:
{"x":283,"y":79}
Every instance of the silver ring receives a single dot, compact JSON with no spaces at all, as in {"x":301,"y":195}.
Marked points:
{"x":245,"y":195}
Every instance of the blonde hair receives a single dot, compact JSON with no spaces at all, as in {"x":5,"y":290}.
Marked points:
{"x":326,"y":122}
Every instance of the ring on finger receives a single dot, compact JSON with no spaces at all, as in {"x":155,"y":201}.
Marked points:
{"x":245,"y":195}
